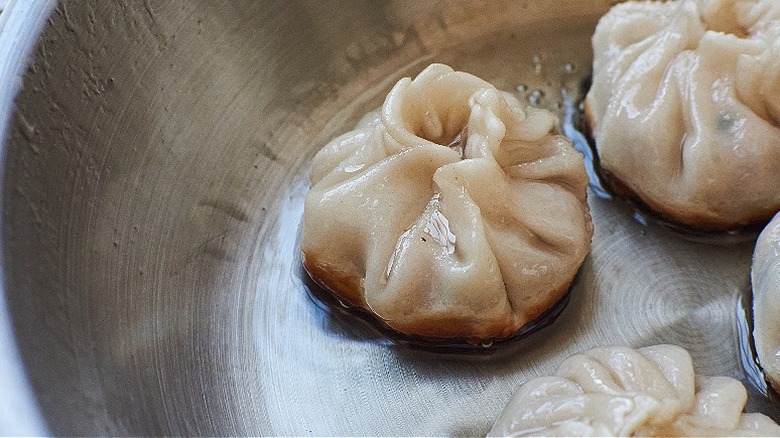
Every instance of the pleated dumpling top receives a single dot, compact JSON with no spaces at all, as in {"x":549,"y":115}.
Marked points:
{"x":617,"y":391}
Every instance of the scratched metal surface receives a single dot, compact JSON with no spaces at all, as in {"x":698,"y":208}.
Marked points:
{"x":152,"y":200}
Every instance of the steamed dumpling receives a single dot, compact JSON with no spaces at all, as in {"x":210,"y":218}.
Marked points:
{"x":453,"y":213}
{"x":685,"y":106}
{"x":616,"y":391}
{"x":766,"y":300}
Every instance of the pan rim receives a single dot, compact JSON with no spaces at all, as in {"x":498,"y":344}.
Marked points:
{"x":21,"y":22}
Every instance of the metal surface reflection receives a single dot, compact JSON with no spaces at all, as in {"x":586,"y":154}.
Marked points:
{"x":157,"y":164}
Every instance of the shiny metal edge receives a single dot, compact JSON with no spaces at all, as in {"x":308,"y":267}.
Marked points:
{"x":20,"y":24}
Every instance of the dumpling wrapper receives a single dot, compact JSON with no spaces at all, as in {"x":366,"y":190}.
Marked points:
{"x":453,"y":213}
{"x":615,"y":391}
{"x":685,"y":105}
{"x":766,"y":300}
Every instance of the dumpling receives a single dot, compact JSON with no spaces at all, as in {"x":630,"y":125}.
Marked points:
{"x":452,"y":213}
{"x":617,"y":391}
{"x":766,"y":300}
{"x":684,"y":108}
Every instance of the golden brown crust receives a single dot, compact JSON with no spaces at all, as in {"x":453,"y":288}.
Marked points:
{"x":672,"y":215}
{"x":587,"y":126}
{"x":343,"y":287}
{"x":350,"y":291}
{"x":680,"y":218}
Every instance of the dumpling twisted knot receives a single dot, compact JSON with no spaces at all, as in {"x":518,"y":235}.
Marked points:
{"x":450,"y":213}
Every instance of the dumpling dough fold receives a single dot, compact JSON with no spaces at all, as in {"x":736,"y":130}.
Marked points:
{"x":453,"y":213}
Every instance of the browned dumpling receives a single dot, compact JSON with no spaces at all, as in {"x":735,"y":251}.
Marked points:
{"x":685,"y":107}
{"x":766,"y":300}
{"x":616,"y":391}
{"x":451,"y":213}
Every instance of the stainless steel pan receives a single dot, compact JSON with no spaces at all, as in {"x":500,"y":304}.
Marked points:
{"x":155,"y":166}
